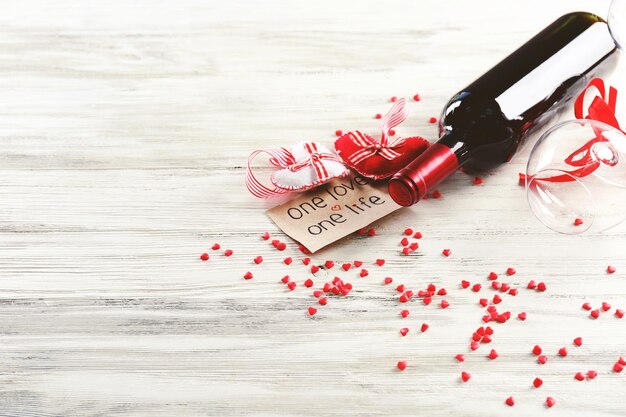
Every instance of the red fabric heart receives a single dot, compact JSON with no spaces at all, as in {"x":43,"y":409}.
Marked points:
{"x":377,"y":166}
{"x":381,"y":159}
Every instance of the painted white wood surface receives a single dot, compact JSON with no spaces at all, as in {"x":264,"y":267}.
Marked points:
{"x":124,"y":131}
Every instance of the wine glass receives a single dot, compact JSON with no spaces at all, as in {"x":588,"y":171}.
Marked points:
{"x":576,"y":177}
{"x":617,"y":23}
{"x":576,"y":173}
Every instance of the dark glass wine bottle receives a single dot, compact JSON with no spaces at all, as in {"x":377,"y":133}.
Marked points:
{"x":483,"y":125}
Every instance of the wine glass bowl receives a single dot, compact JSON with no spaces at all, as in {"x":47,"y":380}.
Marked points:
{"x":576,"y":177}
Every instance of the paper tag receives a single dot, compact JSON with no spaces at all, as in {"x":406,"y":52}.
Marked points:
{"x":331,"y":211}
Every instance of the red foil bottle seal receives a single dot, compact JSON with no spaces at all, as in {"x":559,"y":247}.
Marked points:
{"x":410,"y":184}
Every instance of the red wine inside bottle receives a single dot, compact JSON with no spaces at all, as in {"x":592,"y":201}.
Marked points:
{"x":483,"y":125}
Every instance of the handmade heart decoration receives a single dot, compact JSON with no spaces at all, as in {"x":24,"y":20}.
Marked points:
{"x":381,"y":159}
{"x":306,"y":166}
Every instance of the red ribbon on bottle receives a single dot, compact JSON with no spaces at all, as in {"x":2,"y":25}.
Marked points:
{"x":602,"y":109}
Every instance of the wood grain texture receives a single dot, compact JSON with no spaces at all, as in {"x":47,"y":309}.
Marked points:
{"x":124,"y":131}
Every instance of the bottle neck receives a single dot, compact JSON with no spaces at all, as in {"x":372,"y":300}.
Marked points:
{"x":411,"y":184}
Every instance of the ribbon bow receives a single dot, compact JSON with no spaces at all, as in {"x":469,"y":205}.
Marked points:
{"x":396,"y":115}
{"x":602,"y":108}
{"x":284,"y":159}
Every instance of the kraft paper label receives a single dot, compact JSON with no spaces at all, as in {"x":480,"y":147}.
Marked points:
{"x":333,"y":210}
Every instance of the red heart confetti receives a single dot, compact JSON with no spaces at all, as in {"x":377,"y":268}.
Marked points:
{"x":247,"y":275}
{"x":537,"y":382}
{"x":204,"y":256}
{"x":465,"y":376}
{"x":510,"y":402}
{"x":550,"y":402}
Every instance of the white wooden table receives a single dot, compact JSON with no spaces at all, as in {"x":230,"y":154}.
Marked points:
{"x":124,"y":131}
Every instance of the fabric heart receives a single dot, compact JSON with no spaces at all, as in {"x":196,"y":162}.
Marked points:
{"x":380,"y":159}
{"x":314,"y":165}
{"x":307,"y":165}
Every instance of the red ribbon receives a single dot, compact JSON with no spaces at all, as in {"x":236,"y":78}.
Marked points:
{"x":602,"y":108}
{"x":396,"y":115}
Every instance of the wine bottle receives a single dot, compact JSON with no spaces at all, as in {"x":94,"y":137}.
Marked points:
{"x":483,"y":125}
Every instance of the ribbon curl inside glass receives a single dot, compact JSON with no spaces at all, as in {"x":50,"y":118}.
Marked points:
{"x":576,"y":173}
{"x":305,"y":166}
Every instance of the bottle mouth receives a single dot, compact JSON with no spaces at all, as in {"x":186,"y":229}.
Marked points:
{"x":403,"y":191}
{"x":566,"y":207}
{"x":412,"y":183}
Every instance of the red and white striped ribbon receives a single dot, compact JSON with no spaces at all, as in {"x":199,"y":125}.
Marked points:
{"x":315,"y":159}
{"x":284,"y":159}
{"x":396,"y":115}
{"x":279,"y":158}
